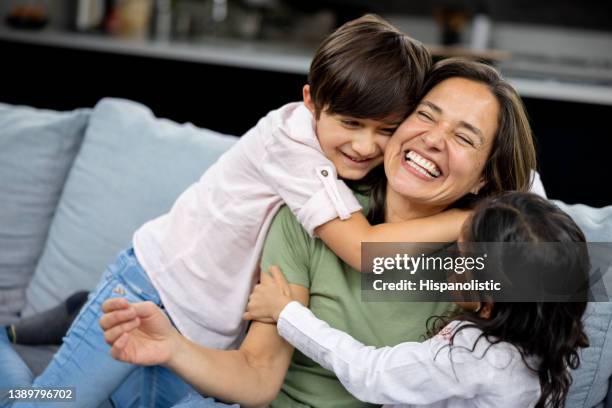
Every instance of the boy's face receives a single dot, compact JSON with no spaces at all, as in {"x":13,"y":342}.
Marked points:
{"x":355,"y":146}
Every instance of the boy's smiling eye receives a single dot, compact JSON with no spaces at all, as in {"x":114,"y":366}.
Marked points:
{"x":350,"y":123}
{"x":388,"y":131}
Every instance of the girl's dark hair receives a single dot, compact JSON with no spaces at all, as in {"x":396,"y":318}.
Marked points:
{"x":550,"y":331}
{"x":512,"y":157}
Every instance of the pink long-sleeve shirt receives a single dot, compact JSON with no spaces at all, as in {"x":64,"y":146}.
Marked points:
{"x":203,"y":255}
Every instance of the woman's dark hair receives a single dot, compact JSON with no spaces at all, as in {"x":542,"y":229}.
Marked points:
{"x":512,"y":156}
{"x":550,"y":331}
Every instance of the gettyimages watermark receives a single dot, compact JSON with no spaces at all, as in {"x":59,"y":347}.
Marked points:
{"x":487,"y":271}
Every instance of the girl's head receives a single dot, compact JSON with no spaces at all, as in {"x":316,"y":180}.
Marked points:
{"x":551,"y":332}
{"x":364,"y":80}
{"x":468,"y":136}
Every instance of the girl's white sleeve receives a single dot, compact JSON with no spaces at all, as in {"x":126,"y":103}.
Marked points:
{"x":409,"y":373}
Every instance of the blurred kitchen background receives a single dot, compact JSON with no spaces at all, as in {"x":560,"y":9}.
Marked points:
{"x":222,"y":64}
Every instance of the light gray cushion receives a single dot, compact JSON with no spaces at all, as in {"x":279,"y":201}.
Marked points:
{"x":591,"y":381}
{"x":130,"y":169}
{"x":596,"y":223}
{"x":37,"y":149}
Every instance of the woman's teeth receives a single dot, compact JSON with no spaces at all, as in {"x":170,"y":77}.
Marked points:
{"x":422,"y":165}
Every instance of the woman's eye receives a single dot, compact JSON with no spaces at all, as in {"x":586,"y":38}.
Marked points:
{"x":425,"y":115}
{"x":465,"y":139}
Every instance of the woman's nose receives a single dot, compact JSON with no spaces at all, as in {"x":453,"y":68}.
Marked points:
{"x":434,"y":139}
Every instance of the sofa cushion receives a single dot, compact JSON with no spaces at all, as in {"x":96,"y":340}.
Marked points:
{"x":596,"y":223}
{"x":130,"y":169}
{"x":591,"y":381}
{"x":37,"y":148}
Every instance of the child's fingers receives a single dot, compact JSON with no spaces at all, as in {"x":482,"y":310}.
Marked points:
{"x":111,"y":319}
{"x":280,"y":280}
{"x":111,"y":335}
{"x":251,"y":316}
{"x":266,"y":277}
{"x":113,"y":304}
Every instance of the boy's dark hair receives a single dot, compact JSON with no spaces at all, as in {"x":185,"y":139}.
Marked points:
{"x":550,"y":331}
{"x":368,"y":69}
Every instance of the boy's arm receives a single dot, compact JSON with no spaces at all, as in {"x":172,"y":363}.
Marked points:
{"x":344,"y":237}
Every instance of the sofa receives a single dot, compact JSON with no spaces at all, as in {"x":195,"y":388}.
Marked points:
{"x":75,"y":185}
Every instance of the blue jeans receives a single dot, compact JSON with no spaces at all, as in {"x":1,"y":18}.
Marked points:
{"x":84,"y":362}
{"x":195,"y":400}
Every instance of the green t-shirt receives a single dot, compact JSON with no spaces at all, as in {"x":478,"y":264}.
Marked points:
{"x":335,"y":296}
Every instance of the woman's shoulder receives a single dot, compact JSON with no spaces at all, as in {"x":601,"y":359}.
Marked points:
{"x":286,"y":222}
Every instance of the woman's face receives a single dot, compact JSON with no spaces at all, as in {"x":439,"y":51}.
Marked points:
{"x":438,"y":153}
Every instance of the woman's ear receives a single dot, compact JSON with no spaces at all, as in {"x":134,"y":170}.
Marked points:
{"x":307,"y":99}
{"x":481,"y":183}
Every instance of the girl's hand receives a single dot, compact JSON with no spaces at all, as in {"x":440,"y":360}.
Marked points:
{"x":269,"y":297}
{"x":139,"y":333}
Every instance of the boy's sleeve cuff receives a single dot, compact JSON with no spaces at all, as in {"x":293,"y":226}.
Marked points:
{"x":334,"y":200}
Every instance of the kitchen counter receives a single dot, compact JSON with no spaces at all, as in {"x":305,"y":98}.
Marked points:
{"x":279,"y":57}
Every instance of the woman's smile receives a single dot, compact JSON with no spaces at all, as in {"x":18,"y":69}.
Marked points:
{"x":421,"y":166}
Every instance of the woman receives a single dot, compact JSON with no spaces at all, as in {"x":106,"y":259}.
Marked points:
{"x":471,"y":127}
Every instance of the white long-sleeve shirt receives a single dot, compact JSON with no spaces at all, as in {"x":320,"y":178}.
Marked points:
{"x":202,"y":256}
{"x":429,"y":374}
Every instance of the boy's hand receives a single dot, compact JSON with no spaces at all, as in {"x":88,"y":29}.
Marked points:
{"x":139,"y":333}
{"x":269,"y":297}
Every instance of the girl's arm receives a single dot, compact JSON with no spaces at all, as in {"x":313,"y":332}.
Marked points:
{"x":140,"y":333}
{"x":409,"y":373}
{"x":344,"y":237}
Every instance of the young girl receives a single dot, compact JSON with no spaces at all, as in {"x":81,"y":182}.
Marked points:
{"x":200,"y":260}
{"x":497,"y":354}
